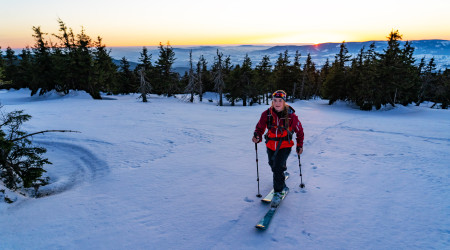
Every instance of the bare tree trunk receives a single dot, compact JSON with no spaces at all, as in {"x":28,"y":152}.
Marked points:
{"x":220,"y":84}
{"x":145,"y":86}
{"x":190,"y":88}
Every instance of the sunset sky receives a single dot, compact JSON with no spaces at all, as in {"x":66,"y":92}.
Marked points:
{"x":204,"y":22}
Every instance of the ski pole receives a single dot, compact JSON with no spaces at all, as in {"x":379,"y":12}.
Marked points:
{"x":301,"y":177}
{"x":257,"y":169}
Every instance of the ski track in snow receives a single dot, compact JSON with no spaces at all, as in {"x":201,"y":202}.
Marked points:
{"x":397,"y":133}
{"x":80,"y":164}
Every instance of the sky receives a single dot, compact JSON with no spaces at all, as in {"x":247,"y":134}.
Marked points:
{"x":210,"y":22}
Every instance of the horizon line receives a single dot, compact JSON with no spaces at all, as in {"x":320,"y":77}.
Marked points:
{"x":251,"y":44}
{"x":272,"y":44}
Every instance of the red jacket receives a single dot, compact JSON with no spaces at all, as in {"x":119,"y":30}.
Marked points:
{"x":277,"y":129}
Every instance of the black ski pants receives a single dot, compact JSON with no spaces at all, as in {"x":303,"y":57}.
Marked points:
{"x":278,"y":165}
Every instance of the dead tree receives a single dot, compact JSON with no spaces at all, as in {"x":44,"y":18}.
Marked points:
{"x":190,"y":88}
{"x":199,"y":79}
{"x":219,"y":83}
{"x":144,"y":87}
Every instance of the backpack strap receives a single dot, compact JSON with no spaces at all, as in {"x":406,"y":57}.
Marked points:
{"x":269,"y":119}
{"x":269,"y":124}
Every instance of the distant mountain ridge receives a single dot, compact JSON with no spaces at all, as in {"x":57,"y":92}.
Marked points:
{"x":439,"y":49}
{"x":421,"y":47}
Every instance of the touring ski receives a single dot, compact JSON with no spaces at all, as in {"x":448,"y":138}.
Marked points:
{"x":269,"y":196}
{"x":265,"y":221}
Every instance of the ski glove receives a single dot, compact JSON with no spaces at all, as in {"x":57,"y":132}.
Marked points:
{"x":298,"y":149}
{"x":257,"y":137}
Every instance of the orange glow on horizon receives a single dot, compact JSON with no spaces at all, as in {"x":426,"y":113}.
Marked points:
{"x":124,"y":40}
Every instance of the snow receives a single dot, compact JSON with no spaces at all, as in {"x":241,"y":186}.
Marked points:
{"x":174,"y":175}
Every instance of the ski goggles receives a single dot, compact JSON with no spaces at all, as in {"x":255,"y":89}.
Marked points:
{"x":279,"y":94}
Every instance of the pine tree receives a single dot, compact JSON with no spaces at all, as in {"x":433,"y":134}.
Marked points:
{"x":66,"y":36}
{"x":145,"y":61}
{"x":435,"y":85}
{"x":442,"y":89}
{"x":199,"y":78}
{"x":24,"y":69}
{"x":21,"y":164}
{"x":233,"y":85}
{"x":428,"y":80}
{"x":388,"y":68}
{"x":398,"y":75}
{"x":371,"y":87}
{"x":42,"y":65}
{"x":77,"y":65}
{"x":296,"y":76}
{"x":309,"y":79}
{"x":61,"y":71}
{"x":11,"y":68}
{"x":2,"y":70}
{"x":127,"y":79}
{"x":410,"y":84}
{"x":264,"y":77}
{"x":104,"y":77}
{"x":2,"y":81}
{"x":282,"y":73}
{"x":65,"y":61}
{"x":247,"y":85}
{"x":167,"y":80}
{"x":207,"y":75}
{"x":334,"y":87}
{"x":2,"y":60}
{"x":356,"y":83}
{"x":145,"y":71}
{"x":218,"y":69}
{"x":325,"y":70}
{"x":323,"y":74}
{"x":83,"y":64}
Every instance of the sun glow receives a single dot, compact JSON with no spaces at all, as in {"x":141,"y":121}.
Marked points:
{"x":312,"y":38}
{"x":199,"y":22}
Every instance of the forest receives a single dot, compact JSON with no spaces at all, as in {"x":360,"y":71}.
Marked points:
{"x":370,"y":79}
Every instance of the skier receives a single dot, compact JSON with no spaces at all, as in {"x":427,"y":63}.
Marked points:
{"x":281,"y":121}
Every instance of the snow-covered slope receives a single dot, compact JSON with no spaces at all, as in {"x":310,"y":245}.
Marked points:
{"x":174,"y":175}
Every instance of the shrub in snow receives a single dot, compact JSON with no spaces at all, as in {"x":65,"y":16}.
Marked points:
{"x":21,"y":164}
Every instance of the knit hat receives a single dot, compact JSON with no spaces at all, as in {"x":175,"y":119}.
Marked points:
{"x":279,"y":94}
